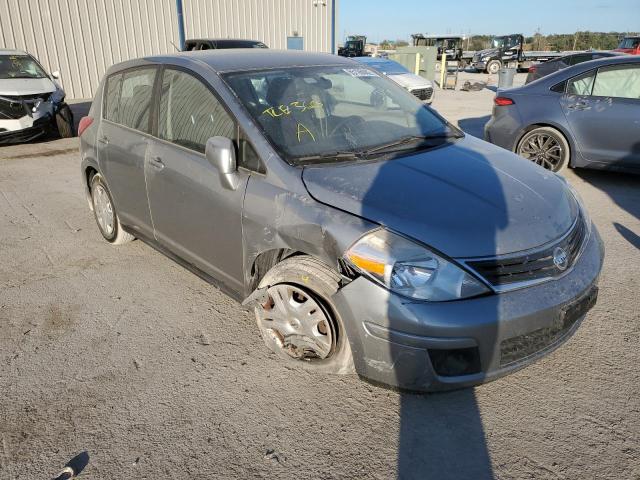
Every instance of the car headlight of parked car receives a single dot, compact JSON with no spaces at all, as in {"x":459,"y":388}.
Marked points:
{"x":410,"y":269}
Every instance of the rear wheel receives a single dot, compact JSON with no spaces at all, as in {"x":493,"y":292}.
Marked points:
{"x":298,"y":321}
{"x":545,"y":146}
{"x":105,"y":213}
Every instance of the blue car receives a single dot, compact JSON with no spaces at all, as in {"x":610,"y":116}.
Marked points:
{"x":586,"y":116}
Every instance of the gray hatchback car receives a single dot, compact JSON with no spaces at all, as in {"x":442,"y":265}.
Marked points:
{"x":373,"y":236}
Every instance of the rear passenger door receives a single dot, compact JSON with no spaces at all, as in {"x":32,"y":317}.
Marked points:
{"x":194,"y":216}
{"x":122,"y":144}
{"x":602,"y":108}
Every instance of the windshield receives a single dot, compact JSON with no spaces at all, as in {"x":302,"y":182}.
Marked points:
{"x":389,"y":67}
{"x":20,"y":66}
{"x":497,"y":42}
{"x":629,"y":43}
{"x":308,"y":112}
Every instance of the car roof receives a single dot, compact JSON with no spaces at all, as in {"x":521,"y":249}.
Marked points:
{"x":10,"y":51}
{"x":240,"y":59}
{"x":544,"y":83}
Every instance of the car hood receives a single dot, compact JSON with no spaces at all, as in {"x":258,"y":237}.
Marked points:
{"x":466,"y":199}
{"x":26,"y":86}
{"x":410,"y":81}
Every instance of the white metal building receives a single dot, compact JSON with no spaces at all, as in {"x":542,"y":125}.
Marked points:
{"x":82,"y":38}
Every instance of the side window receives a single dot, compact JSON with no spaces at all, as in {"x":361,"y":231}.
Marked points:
{"x":581,"y":85}
{"x":189,"y":113}
{"x":576,"y":59}
{"x":135,"y":98}
{"x":112,"y":98}
{"x":621,"y":81}
{"x":249,"y":159}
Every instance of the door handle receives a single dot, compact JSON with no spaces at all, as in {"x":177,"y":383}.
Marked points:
{"x":156,"y":162}
{"x":103,"y":140}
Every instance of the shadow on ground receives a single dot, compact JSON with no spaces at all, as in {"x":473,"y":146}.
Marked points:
{"x":623,"y":189}
{"x":441,"y":436}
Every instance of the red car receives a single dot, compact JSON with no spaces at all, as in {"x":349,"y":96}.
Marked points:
{"x":630,"y":45}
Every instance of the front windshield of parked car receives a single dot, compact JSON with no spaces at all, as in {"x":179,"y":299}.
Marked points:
{"x":629,"y":43}
{"x":332,"y":110}
{"x":19,"y":66}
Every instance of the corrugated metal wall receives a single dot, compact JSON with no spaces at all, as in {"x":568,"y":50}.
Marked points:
{"x":82,"y":38}
{"x":270,"y":21}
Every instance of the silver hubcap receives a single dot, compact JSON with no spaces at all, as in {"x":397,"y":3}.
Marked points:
{"x":494,"y":67}
{"x":542,"y":149}
{"x":291,"y":321}
{"x":103,"y":209}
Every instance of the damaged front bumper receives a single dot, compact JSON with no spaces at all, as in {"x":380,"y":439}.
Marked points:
{"x":23,"y":120}
{"x":425,"y":346}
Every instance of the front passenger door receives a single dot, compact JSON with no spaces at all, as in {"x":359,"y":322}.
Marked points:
{"x":194,"y":216}
{"x":602,"y":111}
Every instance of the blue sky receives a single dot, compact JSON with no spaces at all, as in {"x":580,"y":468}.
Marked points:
{"x":397,"y":19}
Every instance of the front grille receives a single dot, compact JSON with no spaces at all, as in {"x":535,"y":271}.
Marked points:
{"x":541,"y":264}
{"x":11,"y":109}
{"x":476,"y":58}
{"x":423,"y":93}
{"x":17,"y":106}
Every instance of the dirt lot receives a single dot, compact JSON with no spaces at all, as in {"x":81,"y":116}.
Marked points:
{"x":119,"y":352}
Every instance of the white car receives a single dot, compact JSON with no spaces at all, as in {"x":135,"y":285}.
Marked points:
{"x":31,"y":100}
{"x":415,"y":84}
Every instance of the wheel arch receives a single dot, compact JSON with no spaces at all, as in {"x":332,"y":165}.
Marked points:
{"x":89,"y":172}
{"x":268,"y":259}
{"x":561,"y":130}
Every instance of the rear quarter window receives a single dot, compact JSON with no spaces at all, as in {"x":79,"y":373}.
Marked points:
{"x":135,"y":98}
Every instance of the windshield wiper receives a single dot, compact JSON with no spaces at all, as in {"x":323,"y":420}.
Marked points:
{"x":390,"y":147}
{"x":329,"y":157}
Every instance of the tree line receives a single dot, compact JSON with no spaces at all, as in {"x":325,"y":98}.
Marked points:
{"x":561,"y":41}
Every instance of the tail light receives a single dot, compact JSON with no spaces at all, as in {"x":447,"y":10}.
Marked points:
{"x":503,"y":101}
{"x":85,"y":122}
{"x":533,"y":68}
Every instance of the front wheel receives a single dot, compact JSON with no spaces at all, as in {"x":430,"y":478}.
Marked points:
{"x":545,"y":146}
{"x":298,"y":321}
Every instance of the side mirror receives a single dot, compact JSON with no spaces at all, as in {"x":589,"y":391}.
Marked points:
{"x":55,"y":74}
{"x":221,"y":153}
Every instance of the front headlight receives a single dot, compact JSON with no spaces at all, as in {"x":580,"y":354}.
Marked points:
{"x":409,"y":269}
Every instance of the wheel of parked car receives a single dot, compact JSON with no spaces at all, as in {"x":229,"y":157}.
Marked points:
{"x":545,"y":146}
{"x":64,"y":122}
{"x":298,"y":320}
{"x":493,"y":66}
{"x":105,"y":213}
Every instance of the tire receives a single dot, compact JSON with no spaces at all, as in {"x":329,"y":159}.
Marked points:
{"x":64,"y":122}
{"x":546,"y":147}
{"x":102,"y":203}
{"x":318,"y":283}
{"x":493,"y":67}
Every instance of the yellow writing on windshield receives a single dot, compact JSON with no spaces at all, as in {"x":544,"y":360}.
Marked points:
{"x":302,"y":130}
{"x":286,"y":110}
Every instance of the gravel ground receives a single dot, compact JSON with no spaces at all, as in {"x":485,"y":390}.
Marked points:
{"x":119,"y":352}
